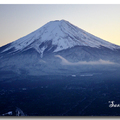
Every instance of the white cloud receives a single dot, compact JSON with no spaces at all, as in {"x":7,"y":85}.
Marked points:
{"x":99,"y":62}
{"x":42,"y":61}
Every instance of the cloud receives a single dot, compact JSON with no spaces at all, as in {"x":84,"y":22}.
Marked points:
{"x":42,"y":61}
{"x":99,"y":62}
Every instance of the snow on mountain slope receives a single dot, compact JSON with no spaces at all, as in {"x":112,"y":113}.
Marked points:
{"x":62,"y":34}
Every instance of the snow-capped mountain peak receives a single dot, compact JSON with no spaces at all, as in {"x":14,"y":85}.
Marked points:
{"x":59,"y":34}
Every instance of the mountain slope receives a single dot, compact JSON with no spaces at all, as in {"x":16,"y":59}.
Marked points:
{"x":59,"y":47}
{"x":58,"y":35}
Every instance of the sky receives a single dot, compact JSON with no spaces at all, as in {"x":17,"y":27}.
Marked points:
{"x":18,"y":20}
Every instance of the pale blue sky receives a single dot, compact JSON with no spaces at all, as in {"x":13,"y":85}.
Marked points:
{"x":19,"y":20}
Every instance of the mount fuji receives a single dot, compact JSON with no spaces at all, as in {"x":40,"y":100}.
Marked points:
{"x":58,"y":47}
